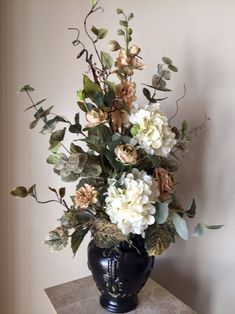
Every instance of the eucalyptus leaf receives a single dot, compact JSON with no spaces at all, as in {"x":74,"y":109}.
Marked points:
{"x":57,"y":136}
{"x":180,"y":225}
{"x":198,"y":230}
{"x":62,"y":192}
{"x":77,"y":238}
{"x":27,"y":88}
{"x":213,"y":227}
{"x":167,"y":60}
{"x":107,"y":60}
{"x":32,"y":190}
{"x":52,"y":159}
{"x":19,"y":191}
{"x":162,"y":213}
{"x":191,"y":212}
{"x":91,"y":88}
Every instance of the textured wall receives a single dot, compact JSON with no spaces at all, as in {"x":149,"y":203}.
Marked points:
{"x":36,"y":48}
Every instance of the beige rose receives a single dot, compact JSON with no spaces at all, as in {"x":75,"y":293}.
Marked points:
{"x":85,"y":196}
{"x":165,"y":182}
{"x":126,"y":153}
{"x":96,"y":117}
{"x":125,"y":97}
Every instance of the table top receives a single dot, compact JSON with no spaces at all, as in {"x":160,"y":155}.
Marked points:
{"x":82,"y":297}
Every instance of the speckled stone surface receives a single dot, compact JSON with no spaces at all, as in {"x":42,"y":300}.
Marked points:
{"x":82,"y":297}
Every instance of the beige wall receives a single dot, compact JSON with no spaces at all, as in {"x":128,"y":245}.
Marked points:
{"x":36,"y":49}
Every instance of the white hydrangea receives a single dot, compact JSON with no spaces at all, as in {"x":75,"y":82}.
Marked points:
{"x":130,"y":206}
{"x":151,"y":130}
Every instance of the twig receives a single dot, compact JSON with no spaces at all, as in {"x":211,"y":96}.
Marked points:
{"x":177,"y":104}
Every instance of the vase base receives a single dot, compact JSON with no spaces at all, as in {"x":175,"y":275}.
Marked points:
{"x":119,"y":305}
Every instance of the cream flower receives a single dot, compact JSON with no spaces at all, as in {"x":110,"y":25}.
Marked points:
{"x":96,"y":117}
{"x":85,"y":196}
{"x":151,"y":130}
{"x":126,"y":153}
{"x":131,"y":206}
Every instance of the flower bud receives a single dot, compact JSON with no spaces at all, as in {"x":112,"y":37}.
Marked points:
{"x":134,"y":50}
{"x":114,"y":45}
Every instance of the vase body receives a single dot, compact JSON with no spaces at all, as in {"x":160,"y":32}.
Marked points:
{"x":120,"y":273}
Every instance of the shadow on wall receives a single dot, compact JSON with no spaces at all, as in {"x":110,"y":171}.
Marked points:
{"x":180,"y":275}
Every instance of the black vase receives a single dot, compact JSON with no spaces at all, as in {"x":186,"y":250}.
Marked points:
{"x":120,"y":273}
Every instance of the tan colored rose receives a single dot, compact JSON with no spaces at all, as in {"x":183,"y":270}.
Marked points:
{"x":126,"y":153}
{"x":96,"y":117}
{"x":125,"y":97}
{"x":165,"y":182}
{"x":85,"y":196}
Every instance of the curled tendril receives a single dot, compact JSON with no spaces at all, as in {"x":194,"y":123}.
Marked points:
{"x":177,"y":104}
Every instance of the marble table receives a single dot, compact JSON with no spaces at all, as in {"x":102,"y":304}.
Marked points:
{"x":82,"y":297}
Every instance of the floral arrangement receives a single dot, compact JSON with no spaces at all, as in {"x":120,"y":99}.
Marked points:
{"x":124,"y":181}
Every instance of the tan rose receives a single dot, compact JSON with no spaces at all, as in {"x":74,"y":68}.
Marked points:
{"x":96,"y":117}
{"x":165,"y":182}
{"x":125,"y":97}
{"x":126,"y":153}
{"x":85,"y":196}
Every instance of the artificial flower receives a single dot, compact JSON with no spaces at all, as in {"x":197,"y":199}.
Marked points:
{"x":126,"y":153}
{"x":165,"y":182}
{"x":151,"y":130}
{"x":85,"y":196}
{"x":131,"y":205}
{"x":96,"y":117}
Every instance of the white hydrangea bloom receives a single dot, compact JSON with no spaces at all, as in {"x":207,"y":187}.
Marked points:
{"x":151,"y":130}
{"x":131,"y":207}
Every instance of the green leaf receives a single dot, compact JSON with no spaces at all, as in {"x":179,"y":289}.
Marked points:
{"x":37,"y":104}
{"x":80,"y":95}
{"x":51,"y":124}
{"x":170,"y":165}
{"x":135,"y":129}
{"x":123,"y":23}
{"x":157,"y":240}
{"x":57,"y":136}
{"x":119,"y":11}
{"x":173,"y":68}
{"x":109,"y":98}
{"x":52,"y":159}
{"x":32,"y":190}
{"x":198,"y":230}
{"x":74,"y":149}
{"x":99,"y":32}
{"x":162,"y":213}
{"x":19,"y":191}
{"x":93,"y":2}
{"x":191,"y":212}
{"x":146,"y":93}
{"x":43,"y":113}
{"x":167,"y":60}
{"x":106,"y":234}
{"x":57,"y":239}
{"x":62,"y":192}
{"x":27,"y":88}
{"x":33,"y":124}
{"x":180,"y":226}
{"x":54,"y":148}
{"x":91,"y":88}
{"x":53,"y":190}
{"x":77,"y":238}
{"x":213,"y":227}
{"x":120,"y":32}
{"x":107,"y":60}
{"x":131,"y":16}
